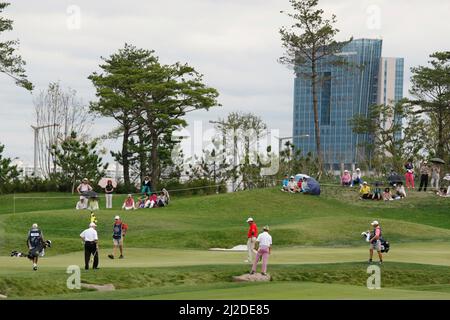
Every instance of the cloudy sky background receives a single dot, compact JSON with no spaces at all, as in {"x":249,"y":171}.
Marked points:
{"x":234,"y":43}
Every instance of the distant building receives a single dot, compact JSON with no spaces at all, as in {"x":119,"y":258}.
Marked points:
{"x":344,"y":92}
{"x":390,"y":85}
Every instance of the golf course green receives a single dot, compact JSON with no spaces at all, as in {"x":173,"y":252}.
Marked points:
{"x":318,"y":252}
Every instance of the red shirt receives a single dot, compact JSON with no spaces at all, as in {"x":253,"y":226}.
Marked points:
{"x":252,"y":231}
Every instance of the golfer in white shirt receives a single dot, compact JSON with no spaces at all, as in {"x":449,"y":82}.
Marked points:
{"x":264,"y":245}
{"x":90,"y":238}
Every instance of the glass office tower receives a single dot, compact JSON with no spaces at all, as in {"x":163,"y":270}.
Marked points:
{"x":342,"y":93}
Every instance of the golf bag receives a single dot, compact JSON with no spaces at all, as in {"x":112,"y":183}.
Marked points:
{"x":385,"y":245}
{"x":34,"y":252}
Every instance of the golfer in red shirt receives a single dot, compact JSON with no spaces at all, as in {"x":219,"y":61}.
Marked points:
{"x":251,"y":240}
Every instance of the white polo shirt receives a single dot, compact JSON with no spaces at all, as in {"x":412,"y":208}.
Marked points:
{"x":264,"y":239}
{"x":89,"y":235}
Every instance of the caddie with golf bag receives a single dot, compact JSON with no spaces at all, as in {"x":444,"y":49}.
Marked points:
{"x":375,"y":238}
{"x":36,"y":245}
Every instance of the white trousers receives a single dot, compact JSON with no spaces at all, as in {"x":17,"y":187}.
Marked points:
{"x":108,"y":197}
{"x":251,"y":252}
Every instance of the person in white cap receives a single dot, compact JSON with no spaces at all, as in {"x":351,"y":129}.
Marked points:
{"x":84,"y":187}
{"x":251,"y":240}
{"x":119,"y":231}
{"x":357,"y":177}
{"x":346,"y":179}
{"x":264,"y":243}
{"x":375,"y":241}
{"x":90,"y":239}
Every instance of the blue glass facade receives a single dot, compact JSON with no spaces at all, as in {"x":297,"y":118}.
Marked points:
{"x":344,"y":92}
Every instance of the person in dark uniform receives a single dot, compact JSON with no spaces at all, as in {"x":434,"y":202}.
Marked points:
{"x":90,"y":238}
{"x":35,"y":244}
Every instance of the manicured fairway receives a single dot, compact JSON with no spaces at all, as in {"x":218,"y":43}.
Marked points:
{"x":318,"y":251}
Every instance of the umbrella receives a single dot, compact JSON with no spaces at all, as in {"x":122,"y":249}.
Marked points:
{"x":314,"y":186}
{"x":300,"y":176}
{"x":104,"y":181}
{"x":395,"y":178}
{"x":437,"y":160}
{"x":89,"y":194}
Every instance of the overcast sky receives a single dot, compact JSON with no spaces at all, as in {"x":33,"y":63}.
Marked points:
{"x":234,"y":43}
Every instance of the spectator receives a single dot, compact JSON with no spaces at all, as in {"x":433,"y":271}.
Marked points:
{"x":357,"y":177}
{"x":284,"y":184}
{"x":442,"y":192}
{"x":364,"y":191}
{"x":435,"y":176}
{"x":346,"y":179}
{"x":162,"y":201}
{"x":424,"y":175}
{"x":299,"y":185}
{"x":152,"y":201}
{"x":376,"y":192}
{"x":128,"y":204}
{"x":400,"y":190}
{"x":146,"y":186}
{"x":93,"y":204}
{"x":167,"y":195}
{"x":84,"y":187}
{"x":409,"y":175}
{"x":81,"y":205}
{"x":141,"y":201}
{"x":292,"y":185}
{"x":305,"y":187}
{"x":109,"y":189}
{"x":387,"y":195}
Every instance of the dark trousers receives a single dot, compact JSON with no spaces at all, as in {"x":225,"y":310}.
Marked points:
{"x":423,"y":182}
{"x":90,"y":248}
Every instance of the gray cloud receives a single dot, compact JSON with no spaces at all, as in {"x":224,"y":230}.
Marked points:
{"x":234,"y":43}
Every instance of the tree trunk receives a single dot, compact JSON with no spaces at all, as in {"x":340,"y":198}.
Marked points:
{"x":125,"y":162}
{"x":155,"y":161}
{"x":142,"y":156}
{"x":441,"y":142}
{"x":316,"y":116}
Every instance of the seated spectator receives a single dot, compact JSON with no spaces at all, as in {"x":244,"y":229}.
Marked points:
{"x":299,"y":185}
{"x":166,"y":194}
{"x":141,"y":201}
{"x":284,"y":184}
{"x":400,"y":190}
{"x":93,"y":204}
{"x":305,"y":187}
{"x":443,"y":192}
{"x":376,"y":192}
{"x":162,"y":200}
{"x":364,"y":191}
{"x":387,"y":195}
{"x":346,"y":179}
{"x":129,"y":204}
{"x":81,"y":204}
{"x":357,"y":177}
{"x":292,"y":185}
{"x":152,"y":201}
